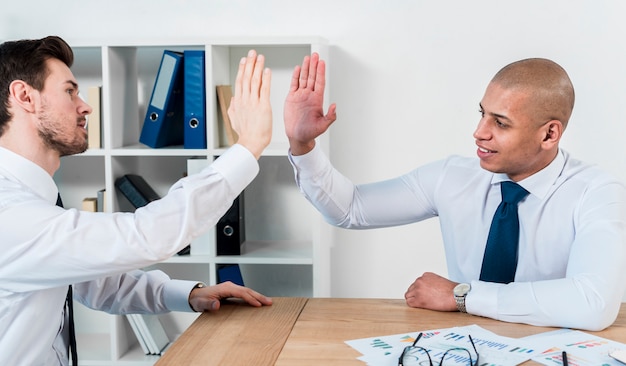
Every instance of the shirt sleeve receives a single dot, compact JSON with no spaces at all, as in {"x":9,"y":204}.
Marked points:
{"x":143,"y":292}
{"x":60,"y":246}
{"x":364,"y":206}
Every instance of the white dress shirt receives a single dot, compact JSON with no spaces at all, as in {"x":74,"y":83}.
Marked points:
{"x":572,"y":249}
{"x":45,"y":248}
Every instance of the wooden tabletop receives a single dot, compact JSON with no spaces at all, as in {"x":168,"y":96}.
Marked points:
{"x":238,"y":334}
{"x":299,"y":331}
{"x":325,"y":324}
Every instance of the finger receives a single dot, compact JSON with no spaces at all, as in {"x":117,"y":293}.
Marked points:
{"x":295,"y":76}
{"x":266,"y":82}
{"x":248,"y":71}
{"x":320,"y":77}
{"x":252,"y":297}
{"x":256,"y":299}
{"x":239,"y":79}
{"x":304,"y":72}
{"x":313,"y":72}
{"x":248,"y":295}
{"x":256,"y":75}
{"x":214,"y":305}
{"x":331,"y":115}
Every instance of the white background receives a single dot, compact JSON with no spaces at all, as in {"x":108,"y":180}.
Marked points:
{"x":407,"y":77}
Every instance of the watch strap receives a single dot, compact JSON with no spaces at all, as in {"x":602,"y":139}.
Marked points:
{"x":460,"y":303}
{"x":198,"y":285}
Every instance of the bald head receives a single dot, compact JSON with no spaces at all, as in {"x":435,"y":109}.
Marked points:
{"x":548,"y":87}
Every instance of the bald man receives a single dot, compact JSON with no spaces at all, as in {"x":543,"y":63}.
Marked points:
{"x":569,"y":259}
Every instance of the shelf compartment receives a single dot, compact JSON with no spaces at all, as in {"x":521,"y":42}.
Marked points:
{"x":79,"y":177}
{"x":278,"y":280}
{"x":268,"y":252}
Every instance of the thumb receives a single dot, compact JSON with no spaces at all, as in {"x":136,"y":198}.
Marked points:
{"x":331,"y":115}
{"x":214,"y":305}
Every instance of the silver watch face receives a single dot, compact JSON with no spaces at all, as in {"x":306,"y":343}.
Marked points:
{"x":461,"y":289}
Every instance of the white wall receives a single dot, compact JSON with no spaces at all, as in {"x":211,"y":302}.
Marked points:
{"x":407,"y":77}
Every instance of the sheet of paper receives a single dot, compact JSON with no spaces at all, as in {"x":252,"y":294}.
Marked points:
{"x":583,"y":349}
{"x":493,"y":349}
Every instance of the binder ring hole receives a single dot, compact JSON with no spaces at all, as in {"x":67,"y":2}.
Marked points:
{"x":228,"y":230}
{"x":154,"y":116}
{"x":193,"y":123}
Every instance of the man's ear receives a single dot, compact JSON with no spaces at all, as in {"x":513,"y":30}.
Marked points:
{"x":22,"y":95}
{"x":552,"y":131}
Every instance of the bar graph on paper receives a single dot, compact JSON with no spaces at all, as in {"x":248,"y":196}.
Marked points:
{"x":583,"y":349}
{"x":494,"y":350}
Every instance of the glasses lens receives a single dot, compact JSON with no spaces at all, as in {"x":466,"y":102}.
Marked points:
{"x":416,"y":356}
{"x":456,"y":357}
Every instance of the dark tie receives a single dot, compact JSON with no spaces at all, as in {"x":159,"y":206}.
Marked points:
{"x":500,"y":259}
{"x":70,"y":312}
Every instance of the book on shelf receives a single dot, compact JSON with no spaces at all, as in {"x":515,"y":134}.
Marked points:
{"x":138,"y":333}
{"x":90,"y":204}
{"x":139,"y":193}
{"x":149,"y":332}
{"x":224,"y":95}
{"x":101,"y":200}
{"x":94,"y":120}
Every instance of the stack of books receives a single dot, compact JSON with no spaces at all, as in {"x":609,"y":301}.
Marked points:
{"x":149,"y":332}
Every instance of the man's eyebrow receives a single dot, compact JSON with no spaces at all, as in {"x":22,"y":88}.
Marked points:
{"x":499,"y":116}
{"x":74,"y":84}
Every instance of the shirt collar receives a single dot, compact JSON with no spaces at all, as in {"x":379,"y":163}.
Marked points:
{"x":17,"y":168}
{"x":539,"y":183}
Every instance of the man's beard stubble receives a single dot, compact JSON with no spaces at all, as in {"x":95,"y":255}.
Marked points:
{"x":51,"y":136}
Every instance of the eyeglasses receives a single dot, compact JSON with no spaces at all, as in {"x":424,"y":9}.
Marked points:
{"x":418,"y":356}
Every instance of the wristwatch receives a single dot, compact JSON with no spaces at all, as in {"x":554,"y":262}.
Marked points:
{"x":460,"y":292}
{"x":198,"y":285}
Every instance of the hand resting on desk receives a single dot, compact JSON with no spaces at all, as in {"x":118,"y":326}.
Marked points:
{"x":433,"y":292}
{"x":208,"y":298}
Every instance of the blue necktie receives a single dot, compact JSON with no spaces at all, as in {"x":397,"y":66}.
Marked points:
{"x":500,"y":259}
{"x":69,"y":301}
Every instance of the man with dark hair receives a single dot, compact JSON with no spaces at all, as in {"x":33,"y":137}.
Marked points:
{"x":46,"y":248}
{"x":554,"y":253}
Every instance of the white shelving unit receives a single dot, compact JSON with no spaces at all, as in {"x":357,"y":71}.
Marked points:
{"x":286,"y":252}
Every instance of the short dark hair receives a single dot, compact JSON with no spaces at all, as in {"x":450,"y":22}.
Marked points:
{"x":26,"y":60}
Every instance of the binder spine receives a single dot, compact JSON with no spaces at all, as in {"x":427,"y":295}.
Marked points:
{"x":136,"y":190}
{"x":195,"y":100}
{"x":230,"y":229}
{"x":229,"y":272}
{"x":163,"y":124}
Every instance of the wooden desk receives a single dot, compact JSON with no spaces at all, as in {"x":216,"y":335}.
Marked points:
{"x":238,"y":334}
{"x":298,"y":331}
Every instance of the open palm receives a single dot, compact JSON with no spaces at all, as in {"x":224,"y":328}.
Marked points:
{"x":303,"y":111}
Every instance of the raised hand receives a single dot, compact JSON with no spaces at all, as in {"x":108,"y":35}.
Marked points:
{"x":303,"y":111}
{"x":250,"y":111}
